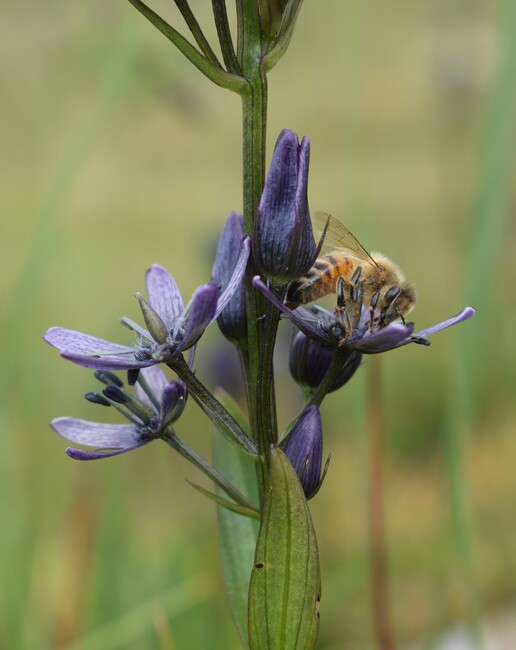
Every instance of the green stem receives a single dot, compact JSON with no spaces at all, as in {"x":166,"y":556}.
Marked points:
{"x":196,"y":31}
{"x":329,"y":378}
{"x":220,"y":417}
{"x":254,"y":112}
{"x":266,"y":397}
{"x":224,"y":34}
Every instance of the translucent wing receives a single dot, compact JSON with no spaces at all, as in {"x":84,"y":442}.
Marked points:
{"x":338,"y":237}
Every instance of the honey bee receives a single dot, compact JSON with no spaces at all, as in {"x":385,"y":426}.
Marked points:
{"x":382,"y":284}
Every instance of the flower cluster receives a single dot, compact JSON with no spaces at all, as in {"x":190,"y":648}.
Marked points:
{"x":156,"y":405}
{"x":327,"y":346}
{"x":171,"y":329}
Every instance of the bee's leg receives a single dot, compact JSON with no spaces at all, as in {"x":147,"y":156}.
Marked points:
{"x":356,"y":299}
{"x":356,"y":275}
{"x":372,"y":308}
{"x":389,"y":313}
{"x":341,"y":310}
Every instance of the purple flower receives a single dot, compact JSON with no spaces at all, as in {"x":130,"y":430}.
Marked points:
{"x":355,"y":327}
{"x":171,"y":327}
{"x":283,"y":243}
{"x":303,"y":448}
{"x":155,"y":406}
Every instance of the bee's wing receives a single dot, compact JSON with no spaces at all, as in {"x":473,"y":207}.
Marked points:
{"x":338,"y":237}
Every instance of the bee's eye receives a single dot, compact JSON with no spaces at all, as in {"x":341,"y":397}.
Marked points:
{"x":391,"y":294}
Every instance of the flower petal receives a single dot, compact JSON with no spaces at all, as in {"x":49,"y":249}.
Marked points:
{"x":108,"y":362}
{"x":66,"y":340}
{"x":198,"y":314}
{"x":304,"y":450}
{"x":163,"y":294}
{"x":294,"y":316}
{"x":236,"y":279}
{"x":157,"y":381}
{"x":92,"y":352}
{"x":173,"y":402}
{"x":96,"y":434}
{"x":388,"y":338}
{"x":466,"y":313}
{"x":231,"y":317}
{"x":81,"y":454}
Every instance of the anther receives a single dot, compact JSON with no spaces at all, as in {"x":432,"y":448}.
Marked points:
{"x":108,"y":378}
{"x":96,"y":398}
{"x":132,"y":376}
{"x":114,"y":394}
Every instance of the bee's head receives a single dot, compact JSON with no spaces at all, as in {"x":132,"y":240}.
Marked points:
{"x":397,"y":301}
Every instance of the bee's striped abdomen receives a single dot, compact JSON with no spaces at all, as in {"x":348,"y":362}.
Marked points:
{"x":319,"y":281}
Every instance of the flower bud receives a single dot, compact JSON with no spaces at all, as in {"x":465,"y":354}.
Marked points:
{"x":283,"y":244}
{"x":232,"y":320}
{"x":304,"y":450}
{"x":271,"y":15}
{"x":310,"y":360}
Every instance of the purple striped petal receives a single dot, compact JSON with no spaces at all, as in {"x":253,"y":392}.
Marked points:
{"x":236,"y":278}
{"x":294,"y":316}
{"x":81,"y":454}
{"x":164,"y":295}
{"x":388,"y":338}
{"x":96,"y":434}
{"x":108,"y":362}
{"x":92,"y":352}
{"x":466,"y":313}
{"x":198,"y":314}
{"x":73,"y":342}
{"x":157,"y":381}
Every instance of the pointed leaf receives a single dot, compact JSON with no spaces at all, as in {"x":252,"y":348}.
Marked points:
{"x":285,"y":587}
{"x":237,"y":534}
{"x":226,"y":503}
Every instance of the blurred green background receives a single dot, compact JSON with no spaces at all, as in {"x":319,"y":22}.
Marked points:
{"x":116,"y":154}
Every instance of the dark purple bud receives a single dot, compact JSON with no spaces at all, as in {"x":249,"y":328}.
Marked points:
{"x":96,"y":398}
{"x":114,"y":394}
{"x":283,"y":244}
{"x":304,"y":450}
{"x":310,"y":360}
{"x":173,"y":402}
{"x":232,"y":320}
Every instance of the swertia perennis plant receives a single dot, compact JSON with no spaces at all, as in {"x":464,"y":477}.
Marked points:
{"x":275,"y":597}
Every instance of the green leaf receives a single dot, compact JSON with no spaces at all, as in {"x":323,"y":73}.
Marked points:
{"x":285,"y":583}
{"x":210,"y":69}
{"x":237,"y":534}
{"x":226,"y":503}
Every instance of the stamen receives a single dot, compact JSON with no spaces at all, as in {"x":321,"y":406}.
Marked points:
{"x":96,"y":398}
{"x":108,"y":378}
